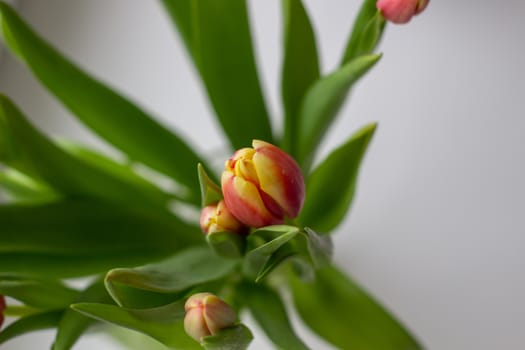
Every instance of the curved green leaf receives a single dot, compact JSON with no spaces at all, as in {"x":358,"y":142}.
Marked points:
{"x":233,"y":338}
{"x":164,"y":323}
{"x":110,"y":115}
{"x":269,"y":311}
{"x":38,"y":293}
{"x":300,"y":67}
{"x":331,"y":186}
{"x":337,"y":309}
{"x":188,"y":268}
{"x":31,"y":323}
{"x":75,"y":238}
{"x":72,"y":324}
{"x":30,"y":151}
{"x":366,"y":32}
{"x":23,"y":188}
{"x":219,"y":40}
{"x":322,"y":102}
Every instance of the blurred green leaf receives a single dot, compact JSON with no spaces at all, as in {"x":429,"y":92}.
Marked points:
{"x":164,"y":323}
{"x":227,"y":244}
{"x":211,"y":193}
{"x":188,"y":268}
{"x":269,"y":311}
{"x":331,"y":186}
{"x":337,"y":309}
{"x":72,"y":324}
{"x":322,"y":102}
{"x":23,"y":188}
{"x":75,"y":238}
{"x":31,"y":323}
{"x":300,"y":66}
{"x":36,"y":292}
{"x":30,"y":151}
{"x":233,"y":338}
{"x":366,"y":32}
{"x":109,"y":114}
{"x":219,"y":40}
{"x":320,"y":248}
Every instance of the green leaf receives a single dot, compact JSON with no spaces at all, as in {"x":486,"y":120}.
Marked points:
{"x":221,"y":46}
{"x":75,"y":238}
{"x":227,"y":244}
{"x":164,"y":323}
{"x":337,"y":309}
{"x":269,"y":311}
{"x":186,"y":269}
{"x":72,"y":324}
{"x":322,"y":102}
{"x":233,"y":338}
{"x":31,"y":323}
{"x":320,"y":248}
{"x":300,"y":66}
{"x":366,"y":32}
{"x":30,"y":151}
{"x":38,"y":293}
{"x":331,"y":186}
{"x":23,"y":188}
{"x":110,"y":115}
{"x":211,"y":193}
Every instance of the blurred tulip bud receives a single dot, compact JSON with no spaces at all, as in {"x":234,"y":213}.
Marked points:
{"x":2,"y":308}
{"x":262,"y":185}
{"x":207,"y":314}
{"x":217,"y":218}
{"x":400,"y":11}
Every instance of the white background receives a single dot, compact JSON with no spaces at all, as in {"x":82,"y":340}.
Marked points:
{"x":437,"y":229}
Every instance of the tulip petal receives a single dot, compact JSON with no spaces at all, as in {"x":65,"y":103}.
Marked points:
{"x":217,"y":314}
{"x":279,"y":176}
{"x":244,"y":201}
{"x":195,"y":324}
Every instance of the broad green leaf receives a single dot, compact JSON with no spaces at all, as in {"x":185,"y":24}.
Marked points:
{"x":211,"y":193}
{"x":337,"y":309}
{"x":366,"y":32}
{"x":234,"y":338}
{"x":227,"y":244}
{"x":75,"y":237}
{"x":110,"y":115}
{"x":72,"y":324}
{"x":322,"y":102}
{"x":31,"y":323}
{"x":36,"y":292}
{"x":300,"y":66}
{"x":186,"y":269}
{"x":164,"y":323}
{"x":30,"y":151}
{"x":23,"y":188}
{"x":331,"y":186}
{"x":221,"y":46}
{"x":269,"y":311}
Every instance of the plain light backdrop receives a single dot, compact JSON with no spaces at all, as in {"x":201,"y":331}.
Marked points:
{"x":437,"y":229}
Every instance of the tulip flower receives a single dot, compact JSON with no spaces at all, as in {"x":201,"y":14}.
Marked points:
{"x":217,"y":218}
{"x":2,"y":308}
{"x":262,"y":185}
{"x":401,"y":11}
{"x":207,"y":314}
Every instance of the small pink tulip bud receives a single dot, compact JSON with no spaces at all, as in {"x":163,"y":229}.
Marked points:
{"x":207,"y":314}
{"x":2,"y":308}
{"x":217,"y":218}
{"x":262,"y":185}
{"x":401,"y":11}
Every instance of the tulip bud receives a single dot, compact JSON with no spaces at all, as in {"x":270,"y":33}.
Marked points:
{"x":217,"y":218}
{"x":207,"y":314}
{"x":262,"y":185}
{"x":2,"y":308}
{"x":401,"y":11}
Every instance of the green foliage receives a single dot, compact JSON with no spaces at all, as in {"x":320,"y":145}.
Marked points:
{"x":31,"y":323}
{"x":337,"y":309}
{"x":234,"y":338}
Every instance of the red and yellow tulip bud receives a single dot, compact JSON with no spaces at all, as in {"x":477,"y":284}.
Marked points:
{"x":262,"y":185}
{"x":217,"y":218}
{"x":400,"y":11}
{"x":207,"y":314}
{"x":2,"y":308}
